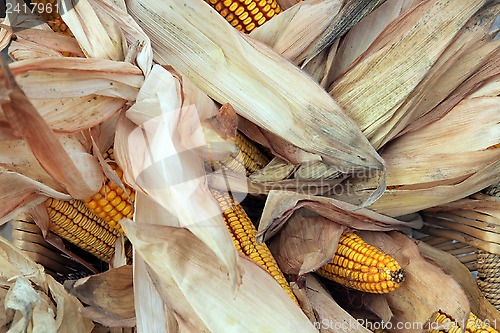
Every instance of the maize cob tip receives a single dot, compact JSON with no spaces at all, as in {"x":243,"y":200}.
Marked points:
{"x":363,"y":267}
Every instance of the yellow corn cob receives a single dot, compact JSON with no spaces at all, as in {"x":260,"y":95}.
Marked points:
{"x":442,"y":323}
{"x":72,"y":221}
{"x":243,"y":233}
{"x":246,"y":15}
{"x":361,"y":266}
{"x":248,"y":159}
{"x":111,"y":203}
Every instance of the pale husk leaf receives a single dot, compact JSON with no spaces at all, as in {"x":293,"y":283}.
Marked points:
{"x":68,"y":315}
{"x":351,"y":13}
{"x":442,"y":162}
{"x":372,"y":90}
{"x":187,"y":35}
{"x":73,"y":94}
{"x":19,"y":193}
{"x":75,"y":77}
{"x":17,"y":267}
{"x":98,"y":35}
{"x":150,"y":310}
{"x":475,"y":220}
{"x":470,"y":86}
{"x":43,"y":316}
{"x":361,"y":35}
{"x":160,"y":156}
{"x":220,"y":180}
{"x":458,"y":64}
{"x":139,"y":45}
{"x":490,"y":88}
{"x":179,"y":260}
{"x":293,"y":32}
{"x":41,"y":43}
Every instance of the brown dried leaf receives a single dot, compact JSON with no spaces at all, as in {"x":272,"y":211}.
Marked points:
{"x":285,"y":4}
{"x":305,"y":243}
{"x":109,"y":294}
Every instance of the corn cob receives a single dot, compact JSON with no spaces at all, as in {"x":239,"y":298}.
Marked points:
{"x":243,"y":233}
{"x":248,"y":159}
{"x":363,"y":267}
{"x":246,"y":15}
{"x":442,"y":323}
{"x":72,"y":221}
{"x":111,"y":203}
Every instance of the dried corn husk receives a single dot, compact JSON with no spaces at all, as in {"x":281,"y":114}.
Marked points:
{"x":359,"y":38}
{"x":139,"y":46}
{"x":294,"y":32}
{"x":440,"y":163}
{"x":179,"y":264}
{"x":351,"y":13}
{"x":188,"y":34}
{"x":456,"y":62}
{"x":45,"y":162}
{"x":306,"y":242}
{"x":42,"y":43}
{"x":373,"y":90}
{"x":35,"y":302}
{"x":160,"y":146}
{"x":109,"y":296}
{"x":73,"y":94}
{"x":99,"y":36}
{"x":280,"y":205}
{"x":285,"y":4}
